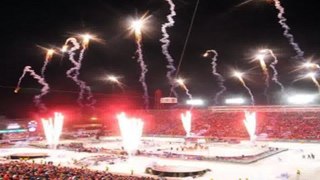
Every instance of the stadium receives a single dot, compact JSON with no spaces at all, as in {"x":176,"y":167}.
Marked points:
{"x":235,"y":97}
{"x":218,"y":144}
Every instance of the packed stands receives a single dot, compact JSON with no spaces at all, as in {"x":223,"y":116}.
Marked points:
{"x":225,"y":122}
{"x":24,"y":170}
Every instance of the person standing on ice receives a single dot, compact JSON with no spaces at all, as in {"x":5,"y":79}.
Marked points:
{"x":298,"y":173}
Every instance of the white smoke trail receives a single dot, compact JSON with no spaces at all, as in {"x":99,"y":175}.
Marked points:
{"x":275,"y":72}
{"x":181,"y":84}
{"x":247,"y":88}
{"x":188,"y":94}
{"x":74,"y":73}
{"x":83,"y":84}
{"x":250,"y":93}
{"x":165,"y":46}
{"x":144,"y":70}
{"x":44,"y":67}
{"x":286,"y":33}
{"x":215,"y":73}
{"x":267,"y":83}
{"x":44,"y":90}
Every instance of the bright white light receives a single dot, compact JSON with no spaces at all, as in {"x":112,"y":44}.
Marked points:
{"x":13,"y":126}
{"x":64,"y":48}
{"x":264,"y":51}
{"x":206,"y":54}
{"x":86,"y":37}
{"x":137,"y":25}
{"x":301,"y":99}
{"x":260,"y":56}
{"x":238,"y":74}
{"x":180,"y":81}
{"x":195,"y":102}
{"x":311,"y":75}
{"x":250,"y":123}
{"x":186,"y":122}
{"x":52,"y":129}
{"x":112,"y":78}
{"x":50,"y":52}
{"x":131,"y":131}
{"x":235,"y":101}
{"x":310,"y":65}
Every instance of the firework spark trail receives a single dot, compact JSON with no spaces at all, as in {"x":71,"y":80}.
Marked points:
{"x":74,"y":73}
{"x":266,"y":74}
{"x":247,"y":88}
{"x":44,"y":90}
{"x":244,"y":3}
{"x":48,"y":58}
{"x":215,"y":73}
{"x":180,"y":82}
{"x":138,"y":36}
{"x":165,"y":46}
{"x":316,"y":83}
{"x":275,"y":72}
{"x":249,"y":91}
{"x":286,"y":33}
{"x":187,"y":91}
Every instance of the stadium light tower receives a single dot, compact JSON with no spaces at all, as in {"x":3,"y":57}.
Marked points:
{"x":195,"y":102}
{"x":235,"y":101}
{"x":300,"y":99}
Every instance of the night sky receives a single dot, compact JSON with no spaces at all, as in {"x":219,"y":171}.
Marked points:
{"x":236,"y":33}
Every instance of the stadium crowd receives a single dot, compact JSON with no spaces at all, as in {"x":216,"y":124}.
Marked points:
{"x":23,"y":170}
{"x":275,"y":124}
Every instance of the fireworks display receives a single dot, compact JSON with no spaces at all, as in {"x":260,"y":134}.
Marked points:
{"x":215,"y":73}
{"x":165,"y":46}
{"x":131,"y":131}
{"x":273,"y":67}
{"x":265,"y":71}
{"x":74,"y":72}
{"x":186,"y":122}
{"x":49,"y":55}
{"x":137,"y":27}
{"x":181,"y":83}
{"x":310,"y":65}
{"x":76,"y":47}
{"x":41,"y":80}
{"x":286,"y":33}
{"x":250,"y":123}
{"x":53,"y":129}
{"x":114,"y":79}
{"x":133,"y":71}
{"x":239,"y":76}
{"x":44,"y":90}
{"x":312,"y":75}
